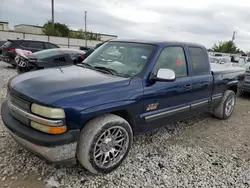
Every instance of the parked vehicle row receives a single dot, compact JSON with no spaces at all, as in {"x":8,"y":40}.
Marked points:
{"x":50,"y":58}
{"x":8,"y":49}
{"x":91,"y":111}
{"x":30,"y":55}
{"x":47,"y":59}
{"x":232,"y":62}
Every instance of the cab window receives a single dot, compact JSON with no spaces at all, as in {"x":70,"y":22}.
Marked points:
{"x":198,"y":61}
{"x":172,"y":58}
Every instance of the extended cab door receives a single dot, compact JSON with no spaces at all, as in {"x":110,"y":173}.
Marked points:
{"x":202,"y":79}
{"x":166,"y":101}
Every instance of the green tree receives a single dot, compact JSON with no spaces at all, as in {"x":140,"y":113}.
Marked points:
{"x":80,"y":34}
{"x":226,"y":47}
{"x":61,"y":30}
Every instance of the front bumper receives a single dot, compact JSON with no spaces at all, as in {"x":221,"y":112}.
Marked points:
{"x":52,"y":148}
{"x":51,"y":154}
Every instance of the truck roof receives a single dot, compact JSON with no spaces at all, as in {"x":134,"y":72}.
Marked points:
{"x":158,"y":42}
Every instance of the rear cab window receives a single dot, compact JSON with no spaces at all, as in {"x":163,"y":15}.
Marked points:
{"x":198,"y":60}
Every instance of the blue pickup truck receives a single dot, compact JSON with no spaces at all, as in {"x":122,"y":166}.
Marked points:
{"x":89,"y":112}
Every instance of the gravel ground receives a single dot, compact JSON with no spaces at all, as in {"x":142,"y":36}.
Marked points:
{"x":5,"y":74}
{"x":201,"y":152}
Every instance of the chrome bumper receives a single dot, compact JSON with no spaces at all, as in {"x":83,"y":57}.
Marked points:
{"x":51,"y":154}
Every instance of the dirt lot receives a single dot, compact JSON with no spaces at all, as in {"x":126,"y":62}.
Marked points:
{"x":201,"y":152}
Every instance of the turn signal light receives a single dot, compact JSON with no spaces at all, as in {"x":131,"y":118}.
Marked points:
{"x":48,"y":129}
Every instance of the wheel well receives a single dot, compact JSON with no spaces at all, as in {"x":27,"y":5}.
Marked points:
{"x":121,"y":113}
{"x":233,"y":88}
{"x":125,"y":115}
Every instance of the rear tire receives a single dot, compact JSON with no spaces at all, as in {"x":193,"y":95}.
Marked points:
{"x":104,"y":143}
{"x":226,"y":106}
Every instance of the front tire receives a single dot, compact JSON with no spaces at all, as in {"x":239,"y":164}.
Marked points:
{"x":226,"y":106}
{"x":104,"y":143}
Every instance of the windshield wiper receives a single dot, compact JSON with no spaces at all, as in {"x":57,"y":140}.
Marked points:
{"x":111,"y":71}
{"x":85,"y":65}
{"x":100,"y":68}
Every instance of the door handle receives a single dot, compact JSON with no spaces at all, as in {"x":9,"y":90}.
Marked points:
{"x":203,"y":85}
{"x":188,"y":87}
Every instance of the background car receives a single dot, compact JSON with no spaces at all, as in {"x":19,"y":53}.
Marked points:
{"x":8,"y":53}
{"x":90,"y":50}
{"x":220,"y":60}
{"x":84,"y":48}
{"x":2,"y":42}
{"x":47,"y":58}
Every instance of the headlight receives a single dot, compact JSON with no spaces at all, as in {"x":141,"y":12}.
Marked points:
{"x":47,"y":129}
{"x":53,"y":113}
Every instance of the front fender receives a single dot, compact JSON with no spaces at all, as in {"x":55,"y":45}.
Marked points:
{"x":129,"y":106}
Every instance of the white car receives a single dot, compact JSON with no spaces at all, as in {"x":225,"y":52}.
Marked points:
{"x":226,"y":60}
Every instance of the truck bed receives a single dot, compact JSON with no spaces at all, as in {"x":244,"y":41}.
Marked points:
{"x":229,"y":75}
{"x":220,"y":68}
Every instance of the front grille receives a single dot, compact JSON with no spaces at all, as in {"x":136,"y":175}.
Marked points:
{"x":20,"y":118}
{"x":22,"y":104}
{"x":25,"y":105}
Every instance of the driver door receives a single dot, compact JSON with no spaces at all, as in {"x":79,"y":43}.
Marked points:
{"x":167,"y":101}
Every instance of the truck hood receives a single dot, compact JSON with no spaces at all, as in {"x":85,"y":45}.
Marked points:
{"x":50,"y":85}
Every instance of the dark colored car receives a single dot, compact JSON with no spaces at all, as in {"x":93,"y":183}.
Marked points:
{"x":90,"y":50}
{"x":8,"y":53}
{"x":2,"y":42}
{"x":84,"y":48}
{"x":47,"y":59}
{"x":91,"y":111}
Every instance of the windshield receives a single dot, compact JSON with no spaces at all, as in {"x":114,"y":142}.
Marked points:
{"x":46,"y":53}
{"x":124,"y":58}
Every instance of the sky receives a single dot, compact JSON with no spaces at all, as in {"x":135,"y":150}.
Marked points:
{"x":204,"y":22}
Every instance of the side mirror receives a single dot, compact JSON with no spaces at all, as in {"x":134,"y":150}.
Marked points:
{"x":164,"y":75}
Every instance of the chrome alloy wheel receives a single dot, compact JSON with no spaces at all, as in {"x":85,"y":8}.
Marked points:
{"x":230,"y":105}
{"x":110,"y":147}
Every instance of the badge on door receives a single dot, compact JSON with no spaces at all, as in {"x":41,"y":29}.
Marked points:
{"x":152,"y":106}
